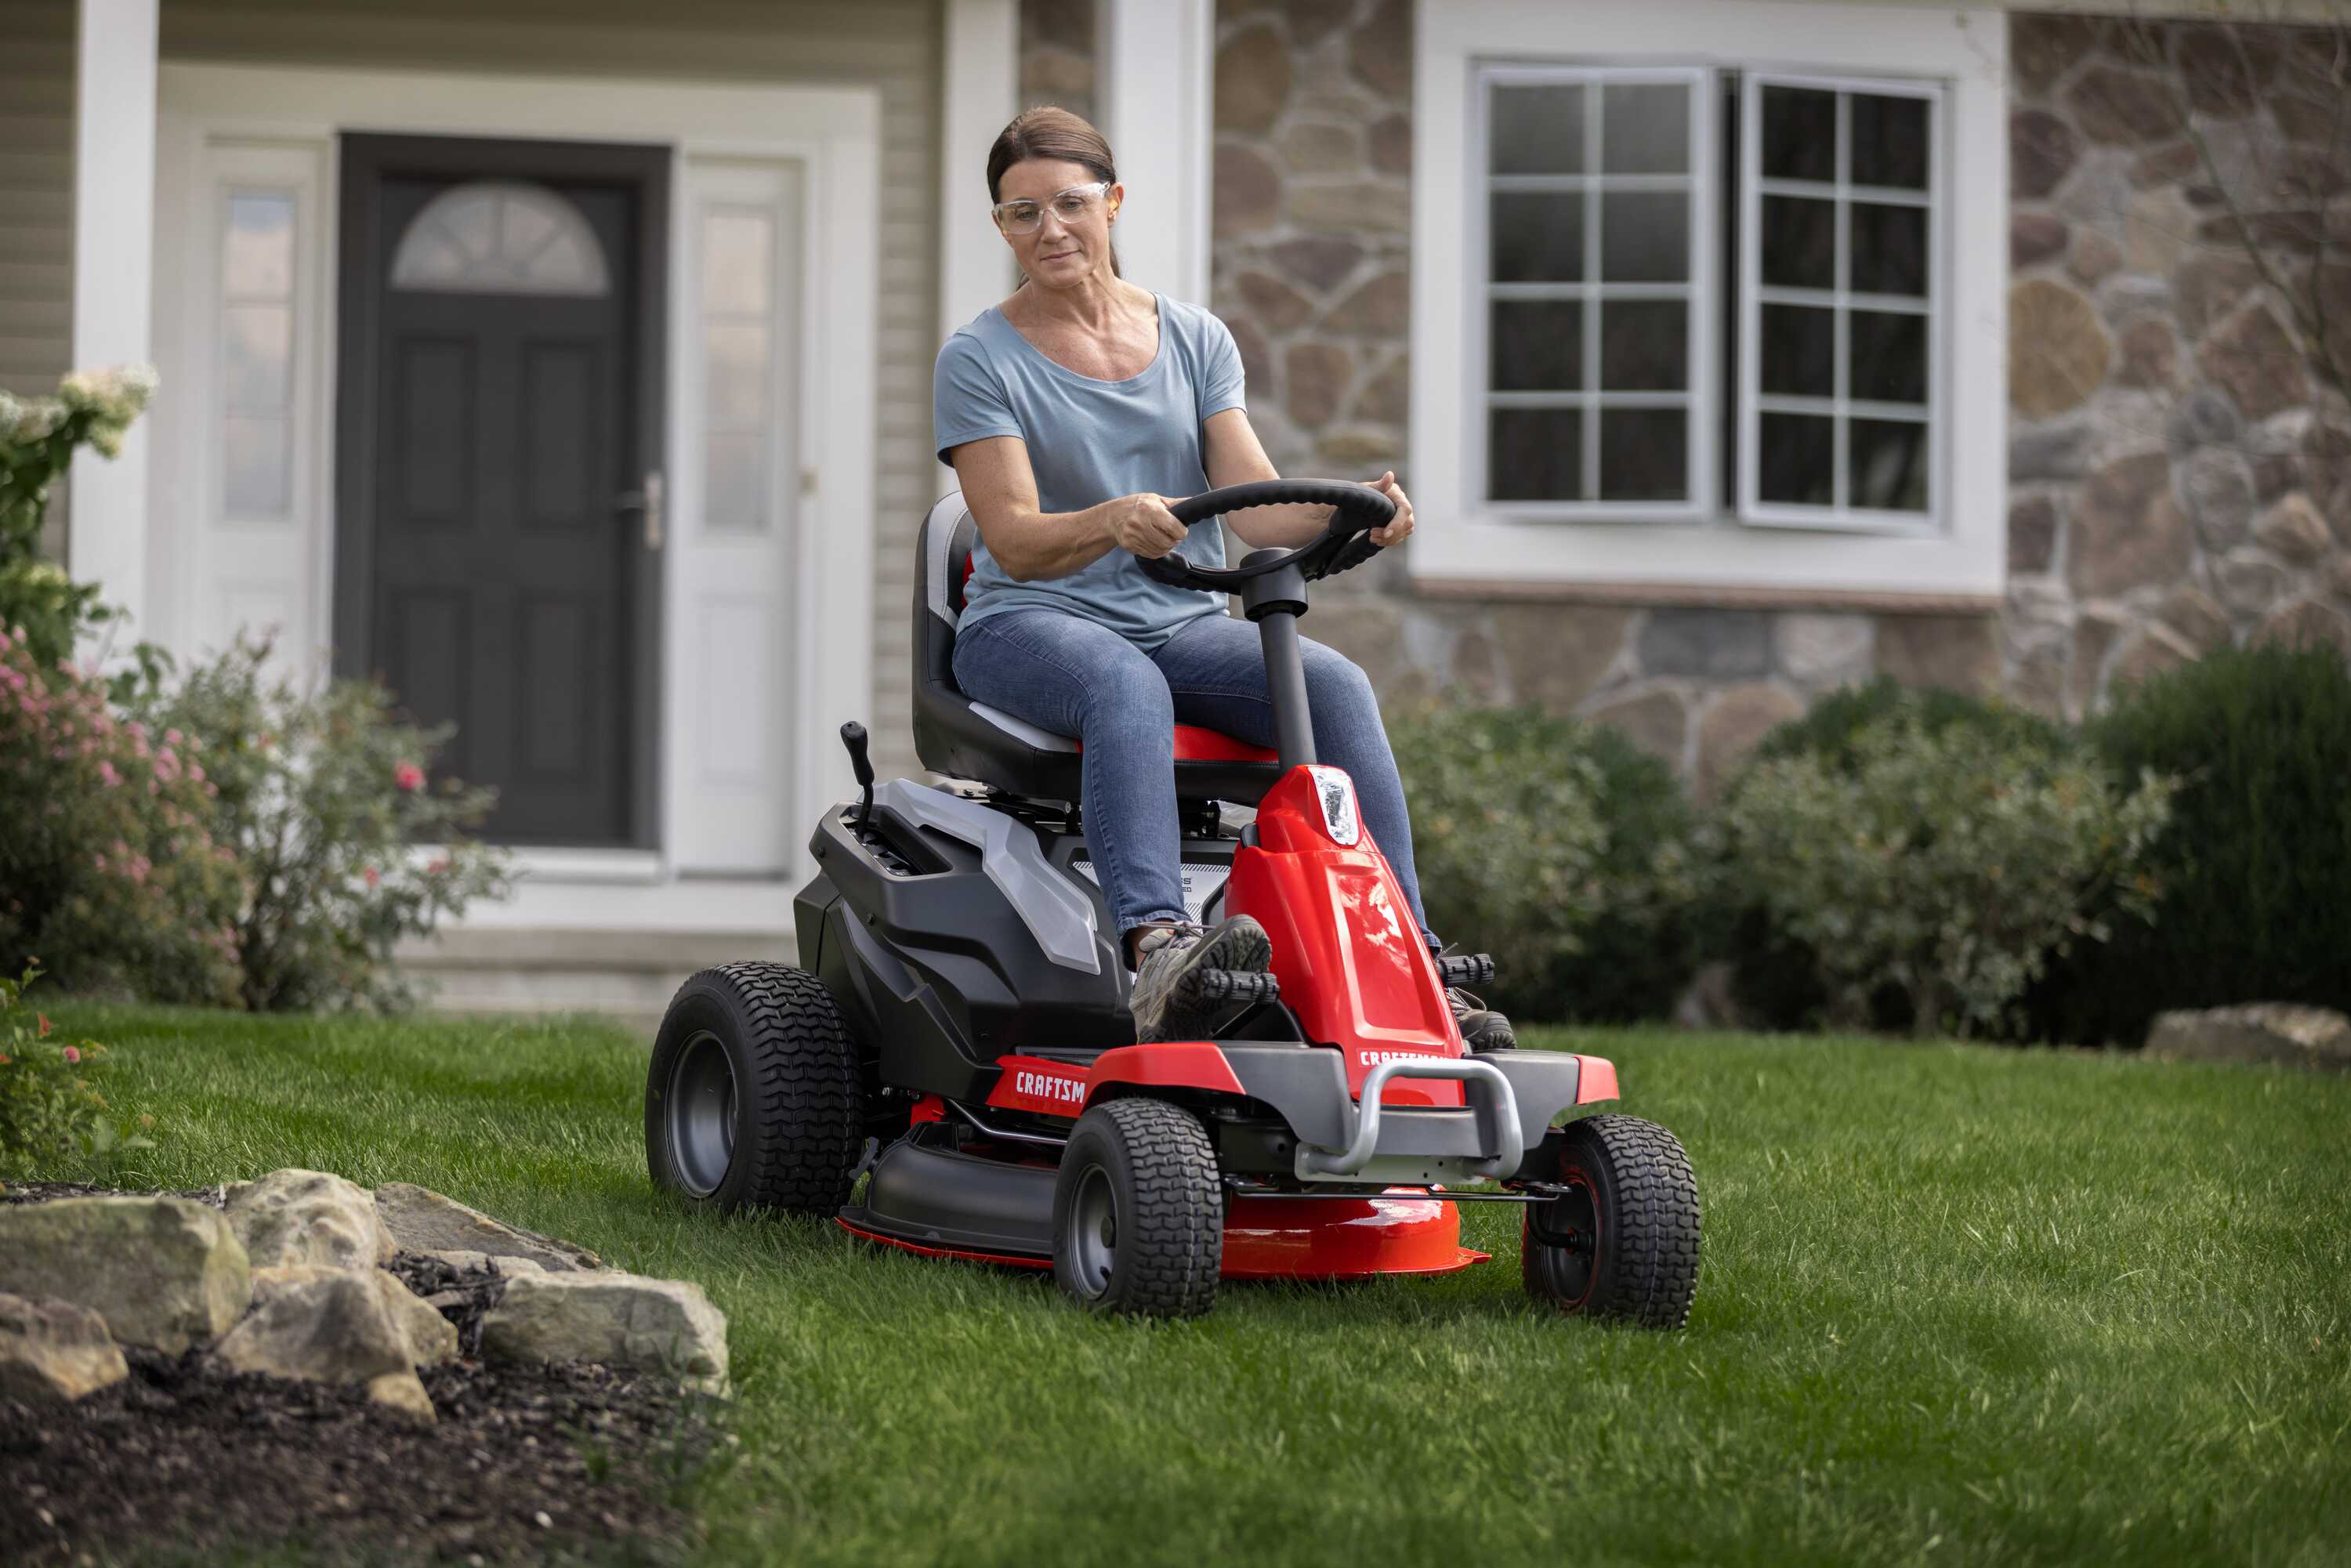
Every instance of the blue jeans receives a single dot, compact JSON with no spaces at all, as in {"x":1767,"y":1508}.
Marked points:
{"x":1071,"y":676}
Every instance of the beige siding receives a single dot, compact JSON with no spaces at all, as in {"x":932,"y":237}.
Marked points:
{"x":36,"y":126}
{"x":893,"y":45}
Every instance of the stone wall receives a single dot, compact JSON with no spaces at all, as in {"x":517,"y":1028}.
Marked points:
{"x":2173,"y":487}
{"x":1057,"y":54}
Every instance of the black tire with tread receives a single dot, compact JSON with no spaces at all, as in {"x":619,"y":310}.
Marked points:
{"x":1169,"y":1203}
{"x":799,"y":1108}
{"x":1646,"y":1199}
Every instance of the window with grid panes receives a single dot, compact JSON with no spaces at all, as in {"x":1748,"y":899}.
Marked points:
{"x":1615,"y":199}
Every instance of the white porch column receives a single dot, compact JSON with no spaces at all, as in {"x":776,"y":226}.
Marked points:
{"x":983,"y":91}
{"x":1155,"y":71}
{"x":114,"y":265}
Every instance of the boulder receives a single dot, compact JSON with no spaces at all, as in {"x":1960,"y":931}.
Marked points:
{"x":508,"y":1267}
{"x":2283,"y":1032}
{"x":404,"y":1391}
{"x":618,"y":1320}
{"x":422,"y":1220}
{"x":292,"y":1216}
{"x":335,"y":1325}
{"x":55,"y":1350}
{"x":162,"y":1272}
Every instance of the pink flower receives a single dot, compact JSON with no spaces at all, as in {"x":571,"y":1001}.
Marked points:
{"x":372,"y":875}
{"x":73,"y":1055}
{"x":46,"y":1024}
{"x":440,"y":863}
{"x":106,"y":771}
{"x":408,"y":776}
{"x":171,"y":738}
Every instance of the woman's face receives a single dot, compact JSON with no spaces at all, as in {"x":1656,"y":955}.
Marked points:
{"x":1067,"y":246}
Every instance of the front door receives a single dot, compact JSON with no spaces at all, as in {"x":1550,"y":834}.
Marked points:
{"x":497,"y":518}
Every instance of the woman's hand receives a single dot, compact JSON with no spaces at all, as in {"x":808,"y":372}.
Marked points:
{"x":1143,"y":525}
{"x":1398,"y":528}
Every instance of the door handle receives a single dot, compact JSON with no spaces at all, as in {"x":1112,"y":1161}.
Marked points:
{"x":647,"y":500}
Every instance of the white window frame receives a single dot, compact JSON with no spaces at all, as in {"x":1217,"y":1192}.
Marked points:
{"x":1754,"y":294}
{"x":1699,"y":397}
{"x":1467,"y":546}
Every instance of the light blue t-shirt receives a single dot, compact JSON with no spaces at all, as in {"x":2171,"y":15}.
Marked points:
{"x":1089,"y":441}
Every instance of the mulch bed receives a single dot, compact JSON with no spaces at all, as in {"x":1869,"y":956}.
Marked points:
{"x":537,"y":1462}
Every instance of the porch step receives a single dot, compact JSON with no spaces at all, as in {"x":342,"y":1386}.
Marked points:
{"x":627,"y":976}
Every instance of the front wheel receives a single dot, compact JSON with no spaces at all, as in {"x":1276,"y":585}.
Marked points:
{"x":1138,"y":1212}
{"x":753,"y":1098}
{"x":1622,"y":1240}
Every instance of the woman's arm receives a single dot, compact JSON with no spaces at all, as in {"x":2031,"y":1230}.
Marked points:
{"x":1034,"y":545}
{"x":1234,"y":456}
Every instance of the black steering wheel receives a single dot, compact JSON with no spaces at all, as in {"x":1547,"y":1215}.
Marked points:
{"x":1345,"y":543}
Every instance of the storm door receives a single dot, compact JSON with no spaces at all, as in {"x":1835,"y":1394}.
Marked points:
{"x":498,"y":517}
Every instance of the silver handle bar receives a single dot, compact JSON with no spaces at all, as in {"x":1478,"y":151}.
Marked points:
{"x":1358,"y":1152}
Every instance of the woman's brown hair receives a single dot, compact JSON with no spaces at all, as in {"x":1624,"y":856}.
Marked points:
{"x":1055,"y":134}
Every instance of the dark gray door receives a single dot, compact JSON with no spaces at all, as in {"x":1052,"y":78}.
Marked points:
{"x":494,"y":570}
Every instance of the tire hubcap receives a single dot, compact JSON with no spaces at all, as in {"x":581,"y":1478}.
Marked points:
{"x":1093,"y":1232}
{"x":702,"y":1114}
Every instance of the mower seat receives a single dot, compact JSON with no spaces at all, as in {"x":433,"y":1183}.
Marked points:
{"x":968,"y":739}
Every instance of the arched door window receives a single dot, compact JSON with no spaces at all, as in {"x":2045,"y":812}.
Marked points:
{"x":500,"y":236}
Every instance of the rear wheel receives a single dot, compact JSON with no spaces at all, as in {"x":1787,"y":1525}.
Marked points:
{"x":753,"y":1098}
{"x":1138,"y":1213}
{"x":1622,"y":1241}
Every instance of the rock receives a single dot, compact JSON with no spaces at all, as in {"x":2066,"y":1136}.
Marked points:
{"x":307,"y":1217}
{"x":623,"y":1320}
{"x":1381,"y":49}
{"x":2208,"y":286}
{"x":2032,"y":533}
{"x":1252,"y":81}
{"x":1360,"y":446}
{"x":405,"y":1392}
{"x":2093,"y":639}
{"x":1391,"y":144}
{"x":1278,"y":305}
{"x":2126,"y":530}
{"x":1256,"y":357}
{"x":2282,"y":1032}
{"x":1356,"y":206}
{"x":2251,"y":355}
{"x":1718,"y":643}
{"x":1960,"y":652}
{"x":2149,"y":354}
{"x":1247,"y":192}
{"x":1387,"y":396}
{"x":1654,"y":721}
{"x":53,"y":1351}
{"x":2156,"y":229}
{"x":323,"y":1325}
{"x":1558,"y":654}
{"x":2033,"y":238}
{"x":2057,"y":351}
{"x":508,"y":1267}
{"x":1317,"y":261}
{"x":2127,"y":296}
{"x":2249,"y":582}
{"x":1824,"y":650}
{"x":1314,"y":378}
{"x":2126,"y":108}
{"x":2308,"y":624}
{"x":2152,"y":651}
{"x":2044,"y":46}
{"x":1057,"y":76}
{"x":422,"y":1220}
{"x":1381,"y":308}
{"x":2041,"y":152}
{"x":2224,"y":68}
{"x":431,"y":1338}
{"x":2293,"y":528}
{"x":1311,"y":21}
{"x":2058,"y":451}
{"x":2338,"y":575}
{"x":2095,"y":255}
{"x":2218,"y":487}
{"x":162,"y":1272}
{"x":1316,"y":148}
{"x":2204,"y":418}
{"x":2168,"y":164}
{"x":1733,"y":726}
{"x":2201,"y":622}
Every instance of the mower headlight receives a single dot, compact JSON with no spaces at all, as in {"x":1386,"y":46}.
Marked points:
{"x":1337,"y":793}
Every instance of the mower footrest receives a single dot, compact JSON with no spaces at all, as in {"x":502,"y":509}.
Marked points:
{"x":1238,"y":986}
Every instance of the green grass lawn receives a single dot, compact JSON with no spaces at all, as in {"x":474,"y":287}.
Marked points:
{"x":1958,"y":1305}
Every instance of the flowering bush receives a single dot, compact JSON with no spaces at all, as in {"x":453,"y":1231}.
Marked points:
{"x":108,"y":866}
{"x":49,"y":1110}
{"x":1946,"y":866}
{"x":38,"y":438}
{"x":324,"y":798}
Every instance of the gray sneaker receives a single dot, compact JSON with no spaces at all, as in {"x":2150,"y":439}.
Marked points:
{"x":1169,"y":961}
{"x":1482,"y":1029}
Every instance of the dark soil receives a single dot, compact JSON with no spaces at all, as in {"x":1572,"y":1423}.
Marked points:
{"x":185,"y":1459}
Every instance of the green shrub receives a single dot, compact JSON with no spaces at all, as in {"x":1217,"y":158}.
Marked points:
{"x":324,"y":796}
{"x":1556,"y":846}
{"x":37,"y":440}
{"x":108,"y":866}
{"x":49,"y":1110}
{"x":2257,"y":865}
{"x":1942,"y":867}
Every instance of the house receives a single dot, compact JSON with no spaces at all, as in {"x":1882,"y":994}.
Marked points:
{"x":568,"y":362}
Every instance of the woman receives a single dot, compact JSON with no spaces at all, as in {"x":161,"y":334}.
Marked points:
{"x":1071,"y":414}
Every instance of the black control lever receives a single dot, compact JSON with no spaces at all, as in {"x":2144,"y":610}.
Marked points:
{"x":853,"y":736}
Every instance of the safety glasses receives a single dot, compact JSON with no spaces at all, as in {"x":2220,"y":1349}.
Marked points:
{"x":1072,"y":205}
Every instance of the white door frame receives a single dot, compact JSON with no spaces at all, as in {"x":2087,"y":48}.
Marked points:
{"x":832,"y":133}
